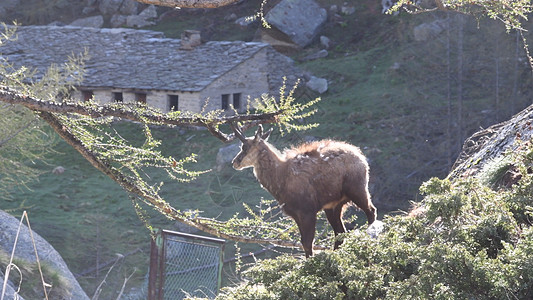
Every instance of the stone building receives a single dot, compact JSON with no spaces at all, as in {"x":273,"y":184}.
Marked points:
{"x":127,"y":65}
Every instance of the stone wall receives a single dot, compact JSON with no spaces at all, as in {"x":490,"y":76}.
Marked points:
{"x":250,"y":79}
{"x":188,"y":101}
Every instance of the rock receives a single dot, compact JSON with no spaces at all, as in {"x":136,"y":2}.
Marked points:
{"x":124,"y":7}
{"x":426,"y":31}
{"x":47,"y":254}
{"x":88,"y":10}
{"x":95,"y":21}
{"x":492,"y":144}
{"x":347,"y":10}
{"x":10,"y":292}
{"x":300,"y":20}
{"x":145,"y":18}
{"x":226,"y":154}
{"x":57,"y":23}
{"x":333,"y":9}
{"x":325,"y":41}
{"x":246,"y":21}
{"x":316,"y":84}
{"x":138,"y":21}
{"x":149,"y":13}
{"x":117,"y":20}
{"x":320,"y":54}
{"x":230,"y":18}
{"x":58,"y":170}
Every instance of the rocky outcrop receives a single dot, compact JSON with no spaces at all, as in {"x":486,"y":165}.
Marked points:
{"x":299,"y":20}
{"x":489,"y":145}
{"x":25,"y":251}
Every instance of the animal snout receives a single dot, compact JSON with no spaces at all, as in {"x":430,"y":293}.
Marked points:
{"x":236,"y":163}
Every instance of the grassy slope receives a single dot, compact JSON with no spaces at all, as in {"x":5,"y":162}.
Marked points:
{"x":394,"y":115}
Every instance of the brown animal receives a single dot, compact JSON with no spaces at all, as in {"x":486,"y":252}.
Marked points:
{"x":304,"y":180}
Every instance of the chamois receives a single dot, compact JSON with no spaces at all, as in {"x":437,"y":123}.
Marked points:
{"x":319,"y":175}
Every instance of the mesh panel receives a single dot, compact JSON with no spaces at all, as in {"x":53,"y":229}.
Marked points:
{"x":191,"y":268}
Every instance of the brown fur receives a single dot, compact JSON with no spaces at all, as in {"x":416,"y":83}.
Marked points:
{"x":320,"y":175}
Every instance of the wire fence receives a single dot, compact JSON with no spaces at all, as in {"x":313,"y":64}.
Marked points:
{"x":184,"y":265}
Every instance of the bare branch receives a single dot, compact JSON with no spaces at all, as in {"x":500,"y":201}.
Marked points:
{"x":190,"y":3}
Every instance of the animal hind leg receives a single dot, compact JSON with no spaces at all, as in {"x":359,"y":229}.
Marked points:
{"x":334,"y":219}
{"x":361,"y":198}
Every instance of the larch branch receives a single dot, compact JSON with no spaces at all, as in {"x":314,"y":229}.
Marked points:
{"x":11,"y":96}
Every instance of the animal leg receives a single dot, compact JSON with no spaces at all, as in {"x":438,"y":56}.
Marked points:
{"x":306,"y":224}
{"x":334,"y":219}
{"x":361,"y":199}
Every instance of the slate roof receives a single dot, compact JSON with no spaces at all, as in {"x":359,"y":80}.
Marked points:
{"x":128,"y":58}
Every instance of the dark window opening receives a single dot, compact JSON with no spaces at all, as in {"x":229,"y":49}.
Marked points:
{"x":118,"y":97}
{"x":225,"y":101}
{"x":140,"y":97}
{"x":87,"y":95}
{"x":237,"y":100}
{"x":173,"y":102}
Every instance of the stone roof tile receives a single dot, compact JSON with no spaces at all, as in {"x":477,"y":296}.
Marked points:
{"x":128,"y":58}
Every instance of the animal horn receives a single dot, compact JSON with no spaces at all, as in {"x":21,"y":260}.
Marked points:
{"x":237,"y":131}
{"x":259,"y":132}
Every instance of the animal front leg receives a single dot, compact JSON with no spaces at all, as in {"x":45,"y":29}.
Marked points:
{"x":306,"y":225}
{"x":334,"y":219}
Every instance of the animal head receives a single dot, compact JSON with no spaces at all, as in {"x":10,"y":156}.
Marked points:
{"x":251,"y":147}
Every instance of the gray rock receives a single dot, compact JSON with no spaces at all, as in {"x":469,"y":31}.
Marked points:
{"x":138,"y":21}
{"x":95,"y":21}
{"x":426,"y":31}
{"x":325,"y":41}
{"x":10,"y":292}
{"x":145,"y":18}
{"x":225,"y":155}
{"x":117,"y":20}
{"x":300,"y":20}
{"x":230,"y":18}
{"x":246,"y":21}
{"x":347,"y":10}
{"x":25,"y":251}
{"x":88,"y":10}
{"x":320,"y":54}
{"x":124,"y":7}
{"x":149,"y":13}
{"x":57,"y":23}
{"x":316,"y":84}
{"x":129,"y":7}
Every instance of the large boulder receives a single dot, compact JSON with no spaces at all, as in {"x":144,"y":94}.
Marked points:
{"x":299,"y":20}
{"x":95,"y":21}
{"x":124,"y":7}
{"x":7,"y":7}
{"x":492,"y":144}
{"x":426,"y":31}
{"x":47,"y":254}
{"x":145,"y":18}
{"x":225,"y":155}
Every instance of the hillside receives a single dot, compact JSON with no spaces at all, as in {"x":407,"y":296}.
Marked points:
{"x":408,"y":104}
